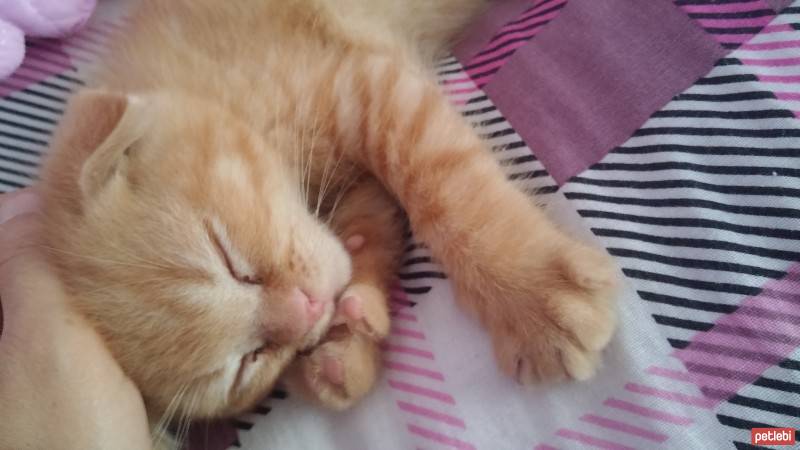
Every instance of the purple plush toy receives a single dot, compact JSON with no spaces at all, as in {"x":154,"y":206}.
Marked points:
{"x":41,"y":18}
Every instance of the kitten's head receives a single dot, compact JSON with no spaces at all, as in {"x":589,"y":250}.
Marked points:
{"x":185,"y":240}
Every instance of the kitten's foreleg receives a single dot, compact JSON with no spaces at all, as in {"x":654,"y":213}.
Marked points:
{"x":544,"y":297}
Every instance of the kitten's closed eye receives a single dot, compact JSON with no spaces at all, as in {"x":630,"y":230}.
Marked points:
{"x":239,"y":274}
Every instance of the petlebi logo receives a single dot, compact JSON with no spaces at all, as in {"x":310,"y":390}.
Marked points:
{"x":772,"y":436}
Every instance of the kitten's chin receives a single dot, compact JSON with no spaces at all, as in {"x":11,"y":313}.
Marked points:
{"x":249,"y":381}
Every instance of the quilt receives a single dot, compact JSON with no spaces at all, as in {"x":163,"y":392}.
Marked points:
{"x":666,"y":132}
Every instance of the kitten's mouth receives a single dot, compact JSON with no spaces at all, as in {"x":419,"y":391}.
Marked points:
{"x":314,"y":336}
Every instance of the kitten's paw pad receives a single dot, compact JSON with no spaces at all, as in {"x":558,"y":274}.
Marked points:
{"x":355,"y":243}
{"x":557,"y":327}
{"x":341,"y":371}
{"x":333,"y":370}
{"x":363,"y":308}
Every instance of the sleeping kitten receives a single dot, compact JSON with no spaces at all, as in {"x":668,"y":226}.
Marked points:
{"x":224,"y":203}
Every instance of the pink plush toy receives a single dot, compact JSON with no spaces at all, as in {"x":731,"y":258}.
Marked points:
{"x":41,"y":18}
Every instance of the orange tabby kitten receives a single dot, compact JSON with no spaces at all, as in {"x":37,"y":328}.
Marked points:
{"x":224,"y":204}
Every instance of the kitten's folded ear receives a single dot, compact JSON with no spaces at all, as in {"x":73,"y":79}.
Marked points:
{"x":102,"y":126}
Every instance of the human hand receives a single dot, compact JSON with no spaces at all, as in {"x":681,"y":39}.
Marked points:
{"x":60,"y":387}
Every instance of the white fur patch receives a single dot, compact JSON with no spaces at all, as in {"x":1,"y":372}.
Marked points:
{"x":230,"y":169}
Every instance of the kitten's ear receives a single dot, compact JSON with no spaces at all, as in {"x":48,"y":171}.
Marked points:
{"x":104,"y":125}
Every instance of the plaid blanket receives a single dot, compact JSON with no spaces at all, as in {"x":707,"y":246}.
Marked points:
{"x":666,"y":132}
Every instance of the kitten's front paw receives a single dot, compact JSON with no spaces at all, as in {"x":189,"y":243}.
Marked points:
{"x":344,"y":368}
{"x":363,"y":309}
{"x":560,"y":317}
{"x":339,"y":372}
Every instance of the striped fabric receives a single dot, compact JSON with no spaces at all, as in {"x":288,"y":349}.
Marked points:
{"x":511,"y":151}
{"x":730,"y":22}
{"x":508,"y":39}
{"x":667,"y":132}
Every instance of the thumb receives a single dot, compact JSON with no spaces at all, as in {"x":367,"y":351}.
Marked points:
{"x":19,"y":230}
{"x":18,"y":203}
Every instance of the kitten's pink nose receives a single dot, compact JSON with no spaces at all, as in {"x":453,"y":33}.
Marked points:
{"x":302,"y":312}
{"x":310,"y":306}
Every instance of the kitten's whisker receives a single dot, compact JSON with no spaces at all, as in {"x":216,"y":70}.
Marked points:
{"x":298,"y":131}
{"x":301,"y":151}
{"x":328,"y":177}
{"x":161,"y":437}
{"x":146,"y":263}
{"x":144,"y":282}
{"x":323,"y":185}
{"x":342,"y":192}
{"x":315,"y":130}
{"x":290,"y":122}
{"x":161,"y":427}
{"x":158,"y":252}
{"x":149,"y":266}
{"x":173,"y":406}
{"x":307,"y":175}
{"x":328,"y":183}
{"x":185,"y":419}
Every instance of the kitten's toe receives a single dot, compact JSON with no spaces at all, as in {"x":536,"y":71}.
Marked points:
{"x":559,"y":326}
{"x":352,"y":308}
{"x":339,"y":372}
{"x":364,"y":309}
{"x":355,"y":243}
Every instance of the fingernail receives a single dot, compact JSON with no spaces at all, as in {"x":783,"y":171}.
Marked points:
{"x":17,"y":205}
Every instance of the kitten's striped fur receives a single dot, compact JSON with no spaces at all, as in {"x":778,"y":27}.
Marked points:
{"x":291,"y":126}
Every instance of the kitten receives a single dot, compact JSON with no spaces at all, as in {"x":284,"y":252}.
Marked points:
{"x":224,"y":203}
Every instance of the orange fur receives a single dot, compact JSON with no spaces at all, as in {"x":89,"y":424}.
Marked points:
{"x":224,"y":153}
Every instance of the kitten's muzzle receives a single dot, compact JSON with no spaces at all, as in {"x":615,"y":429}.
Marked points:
{"x":301,"y":315}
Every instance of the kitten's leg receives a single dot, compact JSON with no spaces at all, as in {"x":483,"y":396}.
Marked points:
{"x":345,"y":366}
{"x":544,"y":297}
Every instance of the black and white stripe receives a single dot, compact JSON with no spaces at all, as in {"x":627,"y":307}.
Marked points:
{"x":247,"y":421}
{"x":729,"y":27}
{"x":701,"y":206}
{"x":691,"y":209}
{"x":27,"y":119}
{"x":32,"y":107}
{"x":517,"y":160}
{"x":771,"y":401}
